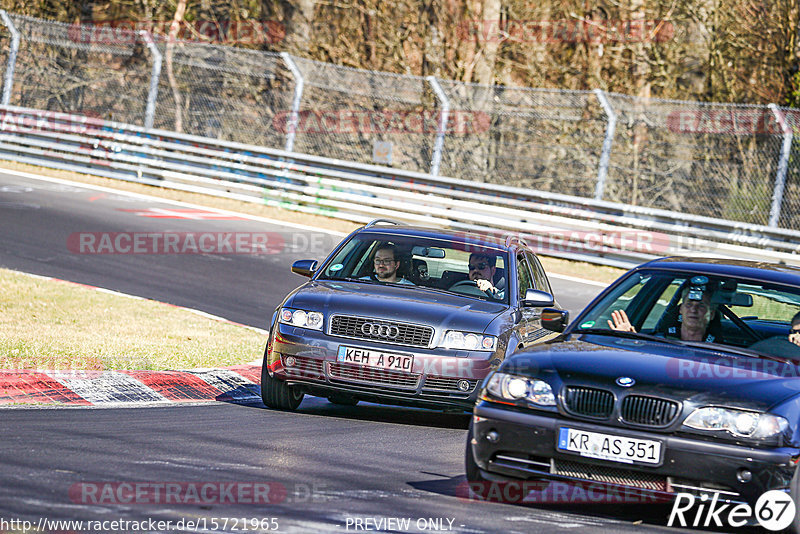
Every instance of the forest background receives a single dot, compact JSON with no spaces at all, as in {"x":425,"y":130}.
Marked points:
{"x":744,"y":51}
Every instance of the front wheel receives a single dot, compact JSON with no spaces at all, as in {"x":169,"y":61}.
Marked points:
{"x":277,"y":394}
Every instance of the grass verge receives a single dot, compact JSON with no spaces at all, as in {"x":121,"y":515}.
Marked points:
{"x":49,"y":324}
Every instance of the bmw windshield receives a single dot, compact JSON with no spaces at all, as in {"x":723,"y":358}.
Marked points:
{"x":691,"y":307}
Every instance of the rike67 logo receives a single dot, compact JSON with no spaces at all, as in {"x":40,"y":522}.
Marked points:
{"x":774,"y":510}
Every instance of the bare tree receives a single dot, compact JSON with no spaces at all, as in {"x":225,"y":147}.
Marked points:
{"x":177,"y":19}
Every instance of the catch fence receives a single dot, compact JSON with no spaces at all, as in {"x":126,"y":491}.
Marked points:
{"x":737,"y":163}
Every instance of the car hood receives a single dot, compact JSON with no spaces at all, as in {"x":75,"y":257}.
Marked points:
{"x":681,"y":372}
{"x":403,"y":304}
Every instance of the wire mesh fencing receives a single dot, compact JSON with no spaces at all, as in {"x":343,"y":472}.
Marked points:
{"x":733,"y":162}
{"x":365,"y":116}
{"x":64,"y":68}
{"x":716,"y":160}
{"x":540,"y":139}
{"x":790,"y":198}
{"x":223,"y":92}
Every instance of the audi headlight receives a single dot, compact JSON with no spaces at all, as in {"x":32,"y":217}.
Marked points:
{"x":302,"y":318}
{"x":513,"y":388}
{"x":456,"y":340}
{"x":740,"y":423}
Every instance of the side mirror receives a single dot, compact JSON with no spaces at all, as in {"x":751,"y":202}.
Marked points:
{"x":536,"y":298}
{"x":304,"y":267}
{"x":554,"y":319}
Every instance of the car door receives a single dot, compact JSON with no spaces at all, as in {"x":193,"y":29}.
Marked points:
{"x":530,"y":324}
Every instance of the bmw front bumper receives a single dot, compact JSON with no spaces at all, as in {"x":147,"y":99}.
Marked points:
{"x":512,"y":445}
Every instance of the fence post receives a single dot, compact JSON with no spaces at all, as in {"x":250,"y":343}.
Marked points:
{"x":436,"y":159}
{"x":152,"y":94}
{"x":8,"y":83}
{"x":605,"y":155}
{"x":783,"y":166}
{"x":294,"y":119}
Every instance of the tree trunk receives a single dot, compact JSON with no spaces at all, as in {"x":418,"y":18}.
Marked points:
{"x":173,"y":34}
{"x":487,"y":57}
{"x":298,"y":16}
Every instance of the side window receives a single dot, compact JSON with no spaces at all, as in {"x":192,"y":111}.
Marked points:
{"x":539,"y":278}
{"x":523,"y":275}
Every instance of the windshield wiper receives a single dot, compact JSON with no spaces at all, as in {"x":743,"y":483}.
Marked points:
{"x":694,"y":344}
{"x":740,"y":351}
{"x":348,"y":279}
{"x":367,"y":281}
{"x":626,"y":334}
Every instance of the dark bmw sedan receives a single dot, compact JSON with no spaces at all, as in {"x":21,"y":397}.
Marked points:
{"x":681,"y":378}
{"x":405,"y":315}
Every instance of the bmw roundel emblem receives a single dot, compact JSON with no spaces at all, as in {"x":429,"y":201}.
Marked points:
{"x":625,"y":381}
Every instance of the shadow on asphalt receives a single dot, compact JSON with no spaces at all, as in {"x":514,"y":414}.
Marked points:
{"x":365,"y":411}
{"x":653,"y":515}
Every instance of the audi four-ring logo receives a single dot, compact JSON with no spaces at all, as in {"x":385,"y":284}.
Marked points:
{"x":380,"y":330}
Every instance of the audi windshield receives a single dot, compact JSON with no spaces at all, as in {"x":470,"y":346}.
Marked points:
{"x":436,"y":264}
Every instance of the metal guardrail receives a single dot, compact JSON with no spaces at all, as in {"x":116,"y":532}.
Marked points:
{"x":555,"y":224}
{"x":730,"y":161}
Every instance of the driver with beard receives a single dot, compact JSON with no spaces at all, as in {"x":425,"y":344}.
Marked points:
{"x":386,"y":264}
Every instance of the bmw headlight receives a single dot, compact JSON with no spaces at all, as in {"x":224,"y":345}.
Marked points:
{"x":513,"y":388}
{"x":302,"y":318}
{"x":456,"y":340}
{"x":740,"y":423}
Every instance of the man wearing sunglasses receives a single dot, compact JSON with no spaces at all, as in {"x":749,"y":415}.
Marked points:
{"x":482,"y":268}
{"x":794,"y":335}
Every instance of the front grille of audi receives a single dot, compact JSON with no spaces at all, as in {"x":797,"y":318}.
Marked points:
{"x":346,"y":372}
{"x":380,"y":330}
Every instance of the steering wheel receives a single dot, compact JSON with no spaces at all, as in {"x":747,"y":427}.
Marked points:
{"x":468,"y":287}
{"x":727,"y":312}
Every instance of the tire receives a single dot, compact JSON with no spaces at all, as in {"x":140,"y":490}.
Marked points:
{"x":278,"y":395}
{"x":473,"y":472}
{"x":342,"y":400}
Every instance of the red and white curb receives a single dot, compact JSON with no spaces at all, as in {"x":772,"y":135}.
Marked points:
{"x":239,"y":384}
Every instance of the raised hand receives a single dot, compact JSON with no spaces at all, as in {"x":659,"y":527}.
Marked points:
{"x":621,"y":322}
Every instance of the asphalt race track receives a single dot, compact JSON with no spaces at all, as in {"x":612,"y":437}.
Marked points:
{"x":325,"y":468}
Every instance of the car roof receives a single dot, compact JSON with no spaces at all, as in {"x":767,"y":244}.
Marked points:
{"x":770,"y":272}
{"x":488,"y":240}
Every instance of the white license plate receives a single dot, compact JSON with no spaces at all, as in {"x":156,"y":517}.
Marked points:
{"x":375,"y":358}
{"x":608,"y":446}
